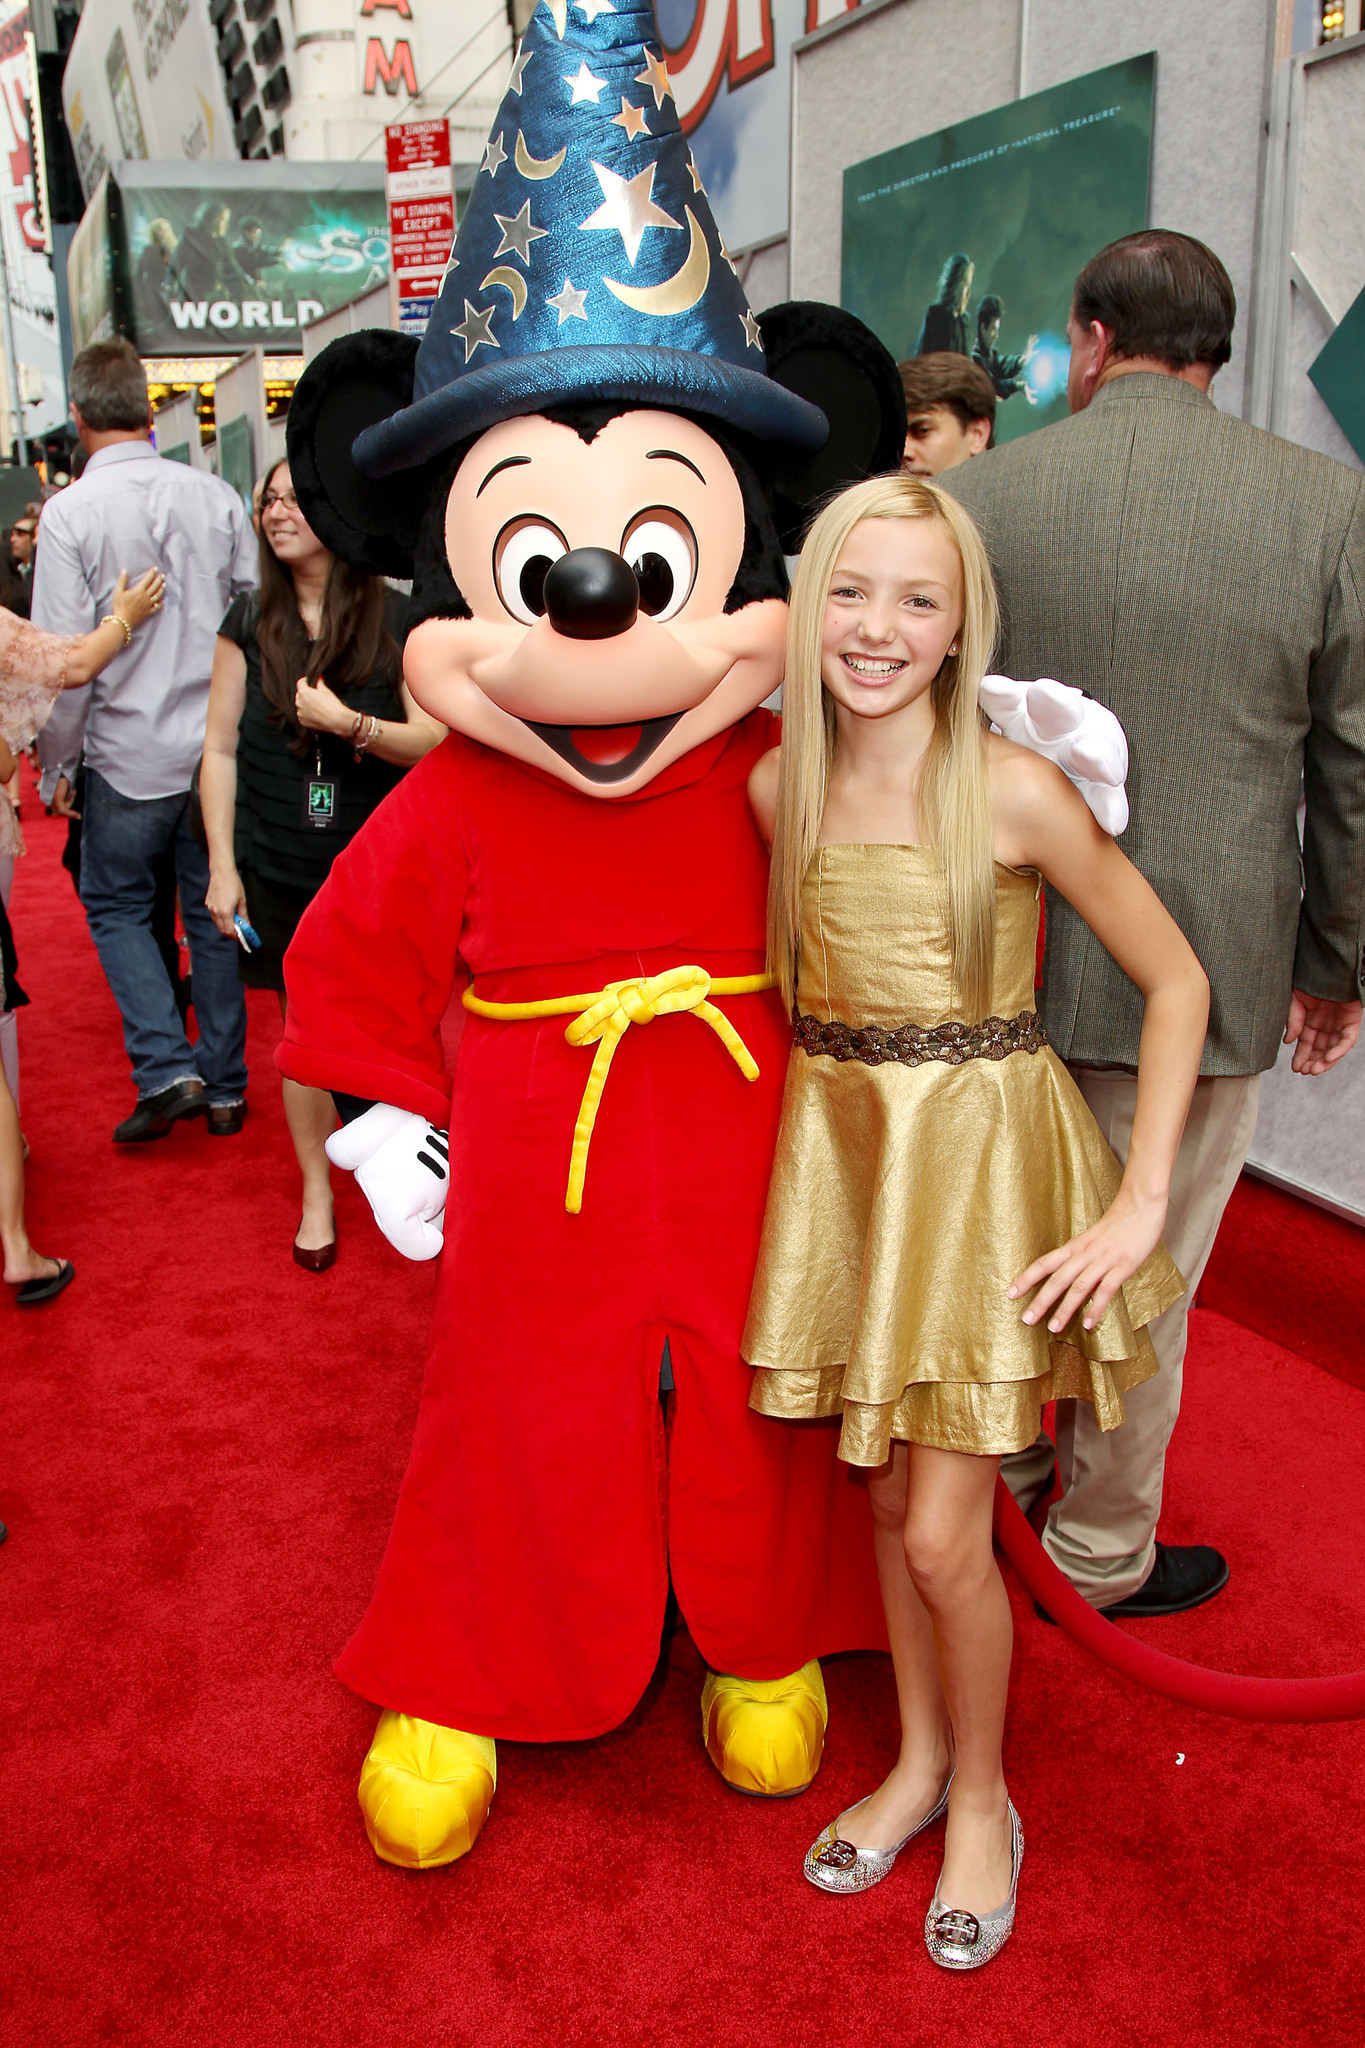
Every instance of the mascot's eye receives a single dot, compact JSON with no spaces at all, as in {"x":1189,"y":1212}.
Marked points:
{"x":526,"y":552}
{"x":662,"y":550}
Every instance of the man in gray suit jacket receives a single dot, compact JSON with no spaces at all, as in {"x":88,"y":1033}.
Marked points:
{"x":1206,"y":581}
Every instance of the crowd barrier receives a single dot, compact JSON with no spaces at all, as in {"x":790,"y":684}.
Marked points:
{"x":1216,"y":1692}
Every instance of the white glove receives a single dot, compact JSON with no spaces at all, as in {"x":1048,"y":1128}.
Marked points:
{"x":402,"y":1164}
{"x":1084,"y":739}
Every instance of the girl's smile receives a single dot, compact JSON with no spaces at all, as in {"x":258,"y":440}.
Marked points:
{"x":869,"y":670}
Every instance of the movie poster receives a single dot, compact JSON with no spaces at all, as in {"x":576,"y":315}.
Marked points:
{"x":212,"y":262}
{"x":971,"y":238}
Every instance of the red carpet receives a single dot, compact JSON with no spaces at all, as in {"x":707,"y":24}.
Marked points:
{"x":200,"y":1449}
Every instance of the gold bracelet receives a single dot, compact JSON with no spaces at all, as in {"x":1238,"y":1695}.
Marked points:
{"x":115,"y":619}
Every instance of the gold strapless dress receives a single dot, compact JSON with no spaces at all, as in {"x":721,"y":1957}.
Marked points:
{"x":905,"y":1199}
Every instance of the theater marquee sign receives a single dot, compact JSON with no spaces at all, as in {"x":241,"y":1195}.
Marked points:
{"x":730,"y":63}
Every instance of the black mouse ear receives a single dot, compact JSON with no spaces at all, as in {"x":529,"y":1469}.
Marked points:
{"x":829,"y":357}
{"x":370,"y":522}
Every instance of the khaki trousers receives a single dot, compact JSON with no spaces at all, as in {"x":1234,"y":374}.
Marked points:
{"x":1102,"y":1532}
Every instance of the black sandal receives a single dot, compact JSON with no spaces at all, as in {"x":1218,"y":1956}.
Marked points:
{"x":32,"y":1292}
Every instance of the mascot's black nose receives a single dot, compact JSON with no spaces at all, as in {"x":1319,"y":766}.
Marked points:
{"x":591,"y":594}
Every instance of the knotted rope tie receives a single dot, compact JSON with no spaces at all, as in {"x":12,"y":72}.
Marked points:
{"x":603,"y":1019}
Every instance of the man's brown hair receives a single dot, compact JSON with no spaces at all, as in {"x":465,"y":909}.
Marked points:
{"x":947,"y":379}
{"x":1161,"y":295}
{"x":108,"y":386}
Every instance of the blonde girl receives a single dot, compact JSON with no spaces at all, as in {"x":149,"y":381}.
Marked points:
{"x":949,"y":1242}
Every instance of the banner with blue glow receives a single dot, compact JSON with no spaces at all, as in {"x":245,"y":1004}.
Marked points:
{"x":971,"y":238}
{"x":209,"y":260}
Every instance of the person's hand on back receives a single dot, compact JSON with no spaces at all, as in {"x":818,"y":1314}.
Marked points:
{"x":135,"y":602}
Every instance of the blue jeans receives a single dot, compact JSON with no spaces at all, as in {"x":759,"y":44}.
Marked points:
{"x":121,"y":839}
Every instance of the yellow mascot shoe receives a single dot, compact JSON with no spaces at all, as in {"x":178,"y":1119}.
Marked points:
{"x":425,"y":1791}
{"x":765,"y":1736}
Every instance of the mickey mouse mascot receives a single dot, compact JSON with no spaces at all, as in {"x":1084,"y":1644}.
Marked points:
{"x":589,"y":467}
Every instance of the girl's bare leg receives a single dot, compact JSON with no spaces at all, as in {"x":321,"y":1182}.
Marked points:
{"x":916,"y":1783}
{"x":21,"y":1261}
{"x":949,"y":1556}
{"x":311,"y":1116}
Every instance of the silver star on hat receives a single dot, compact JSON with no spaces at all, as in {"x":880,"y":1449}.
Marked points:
{"x":569,"y":303}
{"x":518,"y":233}
{"x":628,"y":208}
{"x":475,"y":330}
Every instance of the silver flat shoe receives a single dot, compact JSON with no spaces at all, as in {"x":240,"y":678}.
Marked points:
{"x":838,"y":1866}
{"x":960,"y":1941}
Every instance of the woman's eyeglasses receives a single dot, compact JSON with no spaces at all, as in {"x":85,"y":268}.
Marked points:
{"x":285,"y":498}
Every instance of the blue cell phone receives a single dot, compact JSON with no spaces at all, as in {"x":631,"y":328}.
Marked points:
{"x":248,"y":939}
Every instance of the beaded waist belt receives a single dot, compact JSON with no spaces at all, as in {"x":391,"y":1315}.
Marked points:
{"x":911,"y":1045}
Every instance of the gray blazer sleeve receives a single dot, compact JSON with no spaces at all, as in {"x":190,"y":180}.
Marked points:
{"x":1327,"y":958}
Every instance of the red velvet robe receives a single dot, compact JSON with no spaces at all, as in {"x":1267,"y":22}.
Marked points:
{"x":523,"y":1588}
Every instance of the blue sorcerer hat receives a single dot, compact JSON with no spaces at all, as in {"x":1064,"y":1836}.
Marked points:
{"x":588,"y":264}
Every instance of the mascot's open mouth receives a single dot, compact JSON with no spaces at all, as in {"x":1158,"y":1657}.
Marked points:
{"x":606,"y":753}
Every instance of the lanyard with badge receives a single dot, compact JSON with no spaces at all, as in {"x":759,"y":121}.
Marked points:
{"x":320,"y":796}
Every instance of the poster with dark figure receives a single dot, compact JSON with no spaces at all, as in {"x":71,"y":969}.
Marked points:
{"x":203,"y":260}
{"x":253,"y":256}
{"x":1007,"y":373}
{"x":945,"y":319}
{"x":970,"y":239}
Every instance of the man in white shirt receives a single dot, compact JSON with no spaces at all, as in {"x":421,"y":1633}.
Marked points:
{"x":142,"y":725}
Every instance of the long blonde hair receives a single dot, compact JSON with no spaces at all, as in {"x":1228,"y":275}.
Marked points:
{"x":954,"y":794}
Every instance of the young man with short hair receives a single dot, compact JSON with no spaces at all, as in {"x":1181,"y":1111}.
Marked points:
{"x":949,"y":412}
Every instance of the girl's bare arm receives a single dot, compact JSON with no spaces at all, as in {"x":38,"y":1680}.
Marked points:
{"x":1042,"y":823}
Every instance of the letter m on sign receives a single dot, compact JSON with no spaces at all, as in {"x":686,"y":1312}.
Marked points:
{"x":390,"y":72}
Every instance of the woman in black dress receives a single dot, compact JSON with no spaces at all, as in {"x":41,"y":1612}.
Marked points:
{"x":293,"y":766}
{"x":944,"y":330}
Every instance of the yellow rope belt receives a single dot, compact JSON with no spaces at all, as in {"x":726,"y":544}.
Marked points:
{"x":603,"y":1018}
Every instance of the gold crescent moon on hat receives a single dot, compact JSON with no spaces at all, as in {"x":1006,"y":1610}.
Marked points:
{"x":535,"y":167}
{"x":509,"y":279}
{"x":677,"y":294}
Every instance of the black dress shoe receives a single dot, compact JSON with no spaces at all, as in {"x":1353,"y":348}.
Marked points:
{"x":1185,"y":1575}
{"x":226,"y":1119}
{"x":154,"y":1116}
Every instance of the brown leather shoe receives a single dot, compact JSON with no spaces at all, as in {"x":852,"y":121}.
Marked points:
{"x":318,"y":1260}
{"x":226,"y":1119}
{"x":154,"y":1115}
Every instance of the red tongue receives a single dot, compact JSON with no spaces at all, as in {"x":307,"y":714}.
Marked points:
{"x":605,"y":745}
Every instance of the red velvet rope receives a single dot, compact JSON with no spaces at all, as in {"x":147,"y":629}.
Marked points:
{"x":1216,"y":1692}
